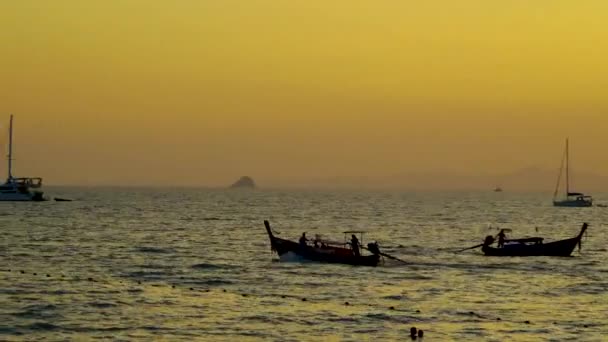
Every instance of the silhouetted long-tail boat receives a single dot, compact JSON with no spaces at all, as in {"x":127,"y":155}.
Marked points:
{"x":533,"y":246}
{"x":325,"y":253}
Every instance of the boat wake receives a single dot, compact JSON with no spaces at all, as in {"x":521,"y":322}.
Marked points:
{"x":147,"y":249}
{"x":291,"y":257}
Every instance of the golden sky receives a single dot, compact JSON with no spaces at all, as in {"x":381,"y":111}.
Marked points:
{"x":200,"y":92}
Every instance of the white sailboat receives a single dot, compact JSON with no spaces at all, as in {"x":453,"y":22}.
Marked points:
{"x":573,"y":199}
{"x":19,"y":189}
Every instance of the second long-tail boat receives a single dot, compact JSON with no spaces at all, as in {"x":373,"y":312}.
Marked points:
{"x":327,"y":253}
{"x":533,"y":246}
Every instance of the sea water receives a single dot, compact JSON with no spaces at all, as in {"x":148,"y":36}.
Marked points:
{"x":196,"y":264}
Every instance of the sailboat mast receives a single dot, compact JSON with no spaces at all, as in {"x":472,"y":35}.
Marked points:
{"x":567,"y":168}
{"x":10,"y":150}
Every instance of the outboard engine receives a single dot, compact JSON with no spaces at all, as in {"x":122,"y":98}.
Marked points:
{"x":373,"y":248}
{"x":489,"y":240}
{"x":38,"y":196}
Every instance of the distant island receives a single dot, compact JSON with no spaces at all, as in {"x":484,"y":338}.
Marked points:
{"x":244,"y":182}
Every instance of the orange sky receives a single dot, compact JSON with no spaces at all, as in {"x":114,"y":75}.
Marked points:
{"x":292,"y":92}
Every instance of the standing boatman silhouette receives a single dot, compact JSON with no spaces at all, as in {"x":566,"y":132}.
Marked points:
{"x":354,"y":242}
{"x":501,"y":238}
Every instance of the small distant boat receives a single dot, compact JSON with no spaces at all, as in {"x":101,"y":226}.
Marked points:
{"x":497,"y":189}
{"x":324,"y":253}
{"x":533,"y":246}
{"x":573,"y":199}
{"x":19,"y":189}
{"x":59,"y":199}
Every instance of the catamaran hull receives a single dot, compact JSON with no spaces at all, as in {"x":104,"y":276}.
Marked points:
{"x":20,"y":197}
{"x":573,"y":204}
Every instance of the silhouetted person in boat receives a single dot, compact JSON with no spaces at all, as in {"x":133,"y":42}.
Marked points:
{"x":501,"y":238}
{"x":303,"y":240}
{"x":354,"y":242}
{"x":316,"y":243}
{"x":413,"y":333}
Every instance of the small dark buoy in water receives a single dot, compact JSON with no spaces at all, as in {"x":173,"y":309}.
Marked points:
{"x":224,"y":290}
{"x":244,"y":295}
{"x":59,"y":199}
{"x":48,"y":275}
{"x":90,"y":279}
{"x":303,"y":299}
{"x":138,"y":282}
{"x":392,"y":308}
{"x":62,"y":276}
{"x":417,"y":311}
{"x":420,"y":333}
{"x":192,"y":289}
{"x":527,"y":322}
{"x":173,"y":286}
{"x":498,"y":318}
{"x":22,"y":272}
{"x":585,"y":326}
{"x":35,"y":273}
{"x":346,"y":303}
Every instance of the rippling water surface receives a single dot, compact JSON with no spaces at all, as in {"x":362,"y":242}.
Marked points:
{"x":196,"y":264}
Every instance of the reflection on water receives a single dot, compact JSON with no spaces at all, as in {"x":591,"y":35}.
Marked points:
{"x":142,"y":264}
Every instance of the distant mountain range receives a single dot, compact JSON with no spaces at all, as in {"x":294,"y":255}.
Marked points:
{"x":540,"y":179}
{"x":526,"y":179}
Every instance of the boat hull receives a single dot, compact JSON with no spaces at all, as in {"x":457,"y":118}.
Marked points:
{"x":562,"y":248}
{"x":558,"y":248}
{"x":329,"y":254}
